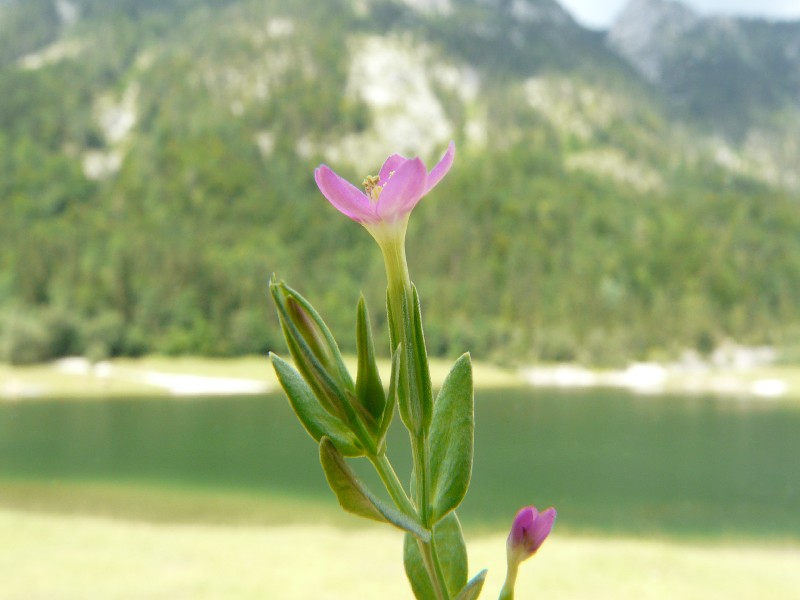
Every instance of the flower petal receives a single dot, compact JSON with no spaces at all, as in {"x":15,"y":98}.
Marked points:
{"x":403,"y":190}
{"x":394,"y":162}
{"x":441,"y":168}
{"x":344,"y":196}
{"x":542,"y":525}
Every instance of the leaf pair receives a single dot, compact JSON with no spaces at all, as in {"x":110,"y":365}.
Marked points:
{"x":451,"y":552}
{"x":321,"y":391}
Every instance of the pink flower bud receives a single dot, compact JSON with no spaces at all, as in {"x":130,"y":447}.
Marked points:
{"x":528,"y":532}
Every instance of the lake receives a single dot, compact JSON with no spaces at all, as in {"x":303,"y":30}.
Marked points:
{"x":612,"y":462}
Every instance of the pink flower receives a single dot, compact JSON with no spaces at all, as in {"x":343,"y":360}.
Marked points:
{"x":528,"y":532}
{"x":388,"y":197}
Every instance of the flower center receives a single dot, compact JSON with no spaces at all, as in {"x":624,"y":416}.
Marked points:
{"x":372,"y":188}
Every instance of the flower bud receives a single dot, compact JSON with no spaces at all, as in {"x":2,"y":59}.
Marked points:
{"x":528,"y":532}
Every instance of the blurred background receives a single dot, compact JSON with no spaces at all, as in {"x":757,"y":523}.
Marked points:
{"x":617,"y":244}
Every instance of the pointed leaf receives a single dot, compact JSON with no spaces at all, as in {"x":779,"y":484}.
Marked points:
{"x":340,"y":370}
{"x":315,"y":419}
{"x":369,"y":388}
{"x":356,"y":498}
{"x":391,"y":400}
{"x":452,"y":553}
{"x":323,"y":370}
{"x":420,"y":358}
{"x":451,"y":435}
{"x":473,"y":589}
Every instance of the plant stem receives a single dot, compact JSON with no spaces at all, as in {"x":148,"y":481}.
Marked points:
{"x":422,"y":479}
{"x":439,"y":587}
{"x":507,"y":593}
{"x":414,"y":408}
{"x":392,"y":483}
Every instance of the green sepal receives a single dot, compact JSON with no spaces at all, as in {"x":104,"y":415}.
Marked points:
{"x":369,"y":388}
{"x":356,"y":498}
{"x":452,"y":439}
{"x":315,"y":419}
{"x":452,"y":553}
{"x":473,"y":589}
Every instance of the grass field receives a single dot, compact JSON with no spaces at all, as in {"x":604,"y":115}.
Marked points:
{"x":79,"y":557}
{"x":82,"y":541}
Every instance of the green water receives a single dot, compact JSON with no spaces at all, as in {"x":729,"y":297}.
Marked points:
{"x":610,"y":462}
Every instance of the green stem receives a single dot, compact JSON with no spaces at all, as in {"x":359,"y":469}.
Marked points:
{"x":400,"y":296}
{"x":507,"y":593}
{"x":439,"y":587}
{"x":421,"y":479}
{"x":392,"y":483}
{"x":437,"y":566}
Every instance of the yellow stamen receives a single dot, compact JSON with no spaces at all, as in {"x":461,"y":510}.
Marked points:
{"x":371,"y":187}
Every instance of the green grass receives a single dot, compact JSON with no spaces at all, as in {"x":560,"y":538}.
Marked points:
{"x":77,"y":557}
{"x":91,"y":540}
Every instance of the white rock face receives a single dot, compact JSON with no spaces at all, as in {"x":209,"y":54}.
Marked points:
{"x":68,"y":12}
{"x":392,"y":76}
{"x":117,"y":117}
{"x":647,"y":29}
{"x":58,"y":51}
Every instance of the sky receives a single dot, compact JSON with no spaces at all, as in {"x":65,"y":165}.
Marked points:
{"x":600,"y":13}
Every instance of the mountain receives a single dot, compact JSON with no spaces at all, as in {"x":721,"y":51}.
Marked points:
{"x":156,"y":161}
{"x":731,"y":75}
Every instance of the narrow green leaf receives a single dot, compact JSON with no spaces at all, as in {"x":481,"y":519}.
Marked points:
{"x":473,"y":589}
{"x":391,"y":400}
{"x":327,"y":384}
{"x":319,"y":361}
{"x":369,"y":388}
{"x":341,"y":373}
{"x":315,"y":419}
{"x":451,"y":439}
{"x":420,"y":358}
{"x":452,"y":553}
{"x":356,"y":498}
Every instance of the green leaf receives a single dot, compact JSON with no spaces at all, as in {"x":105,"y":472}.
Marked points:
{"x":391,"y":400}
{"x":356,"y":498}
{"x":315,"y":419}
{"x":324,"y":347}
{"x":369,"y":388}
{"x":452,"y":552}
{"x":420,"y":358}
{"x":314,"y":351}
{"x":452,"y":439}
{"x":415,"y":397}
{"x":473,"y":589}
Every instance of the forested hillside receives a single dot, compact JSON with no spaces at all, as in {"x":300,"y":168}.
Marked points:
{"x":157,"y":157}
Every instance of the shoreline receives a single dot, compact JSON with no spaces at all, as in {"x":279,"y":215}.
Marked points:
{"x":76,"y":377}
